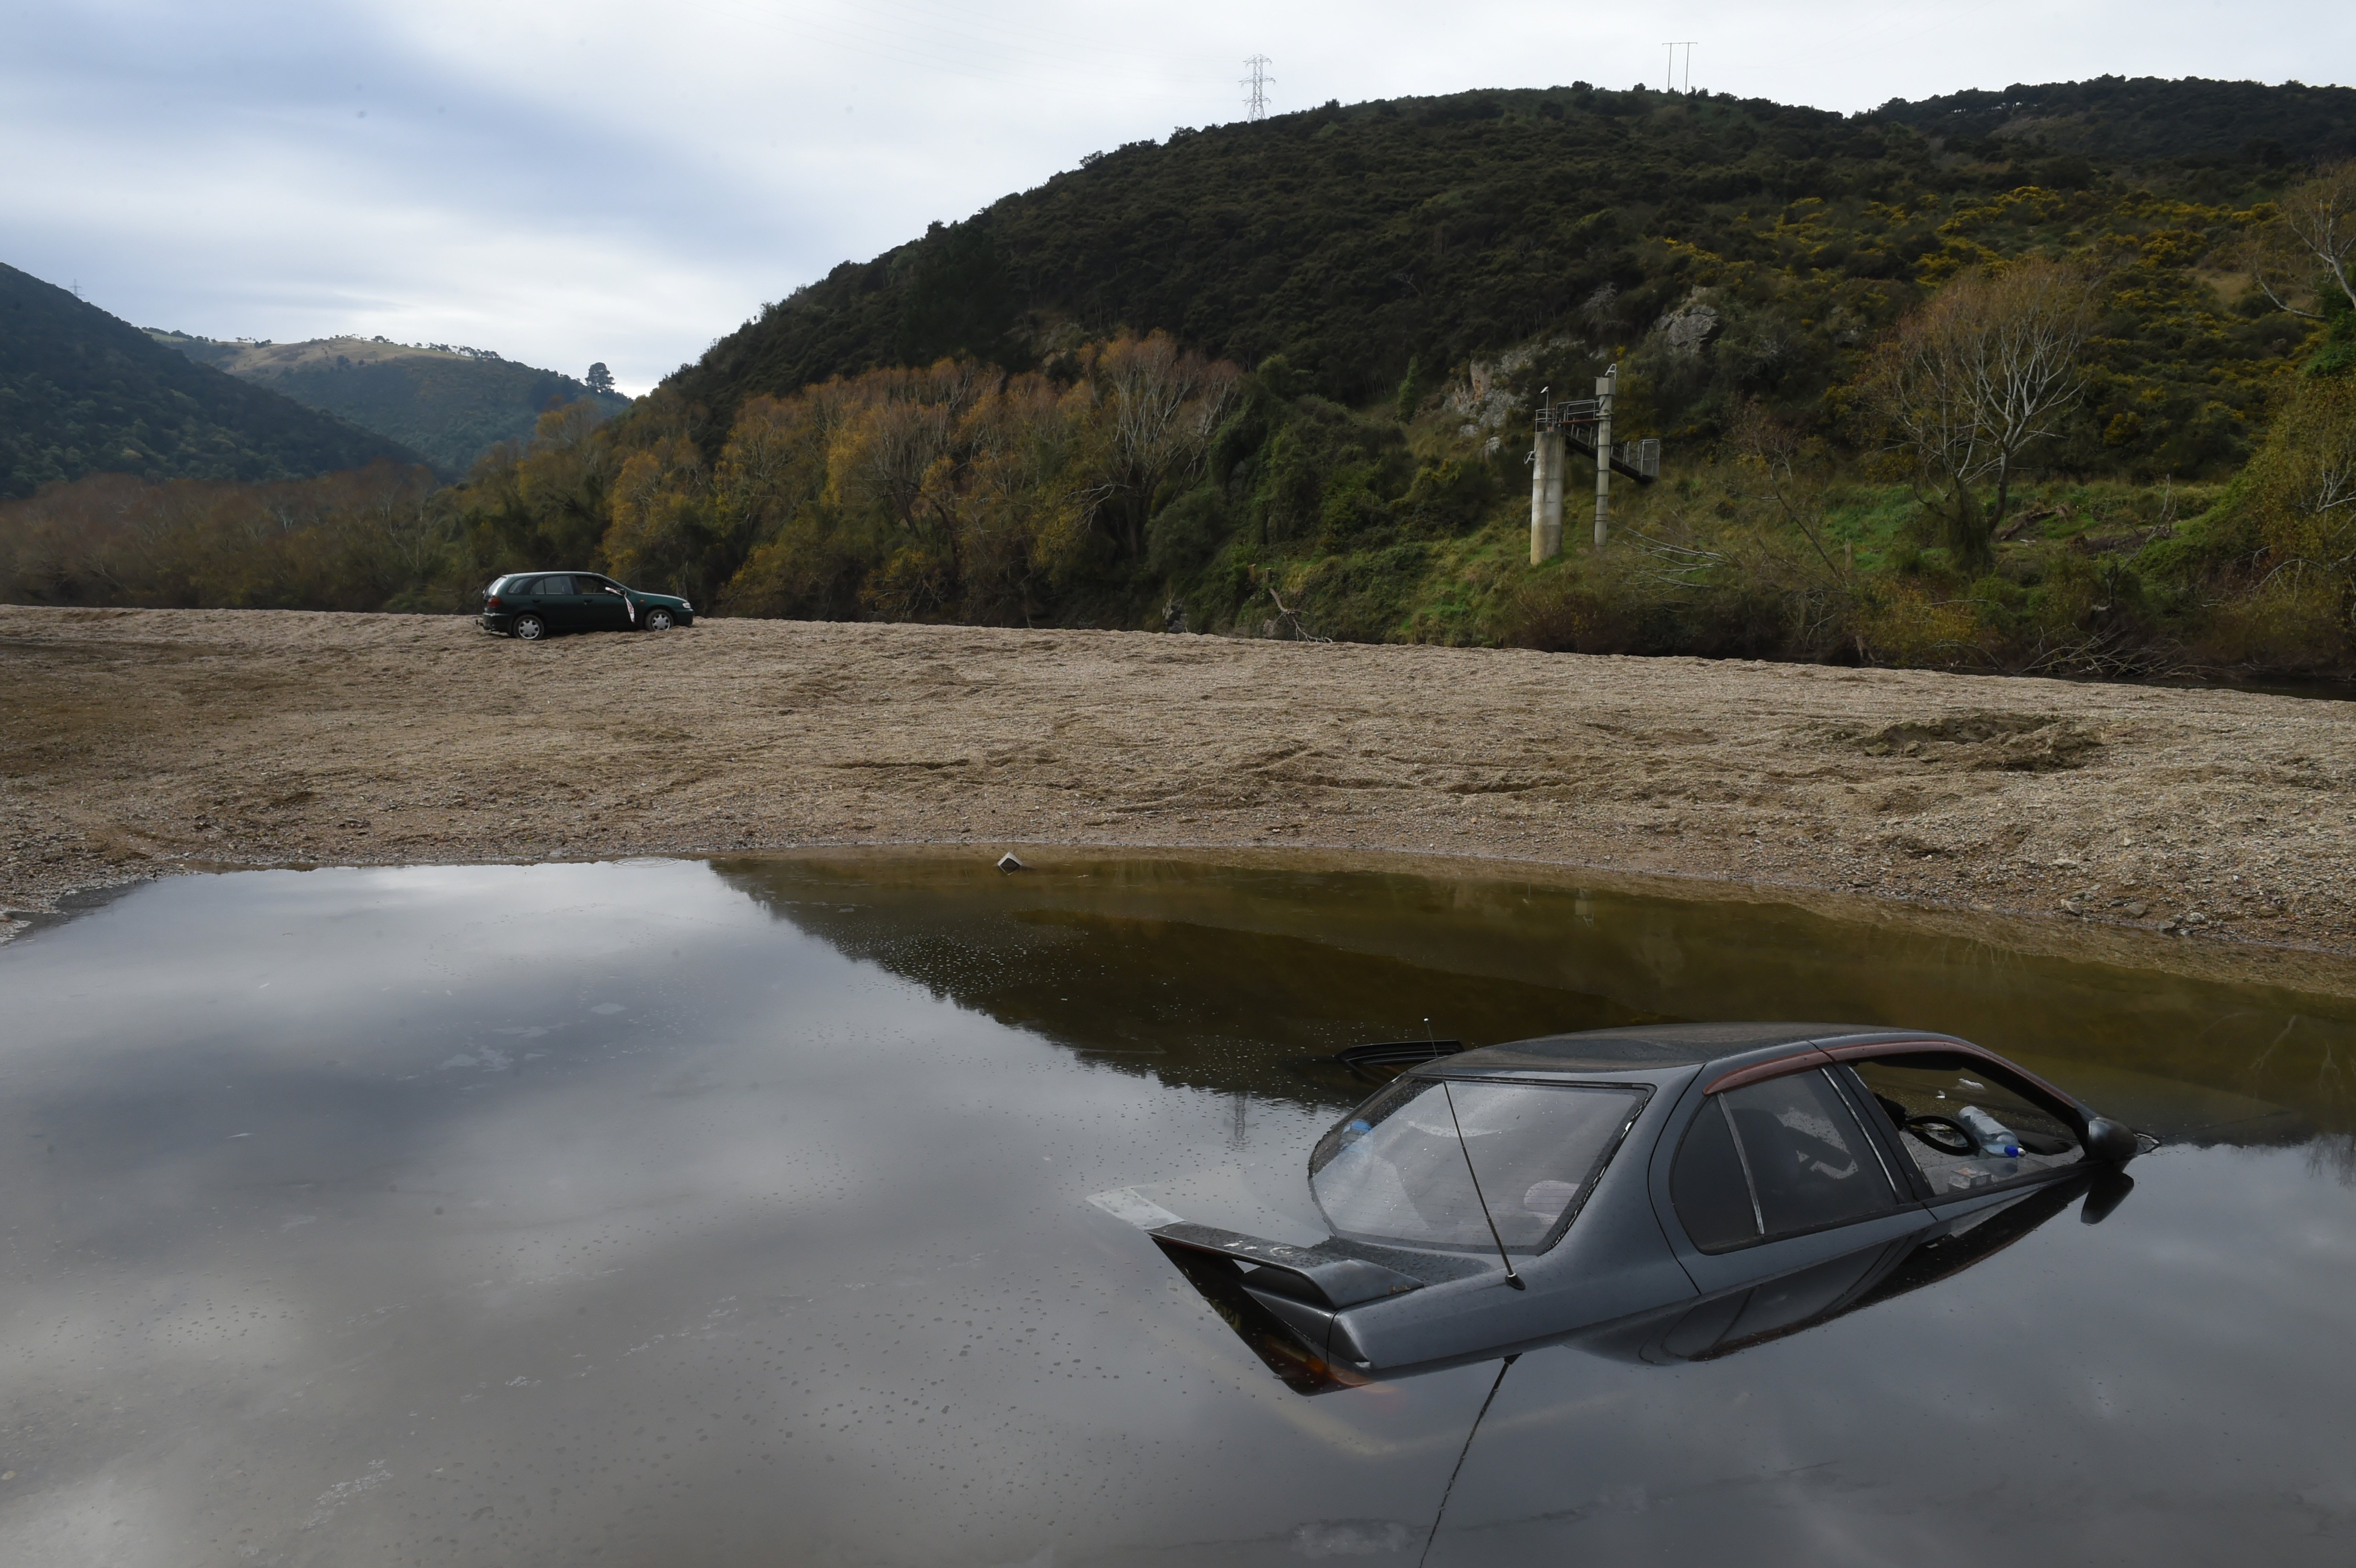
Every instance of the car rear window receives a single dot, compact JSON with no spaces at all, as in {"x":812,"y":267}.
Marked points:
{"x":1397,"y":1169}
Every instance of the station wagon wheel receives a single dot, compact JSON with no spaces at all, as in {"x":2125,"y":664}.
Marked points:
{"x":1943,"y":1133}
{"x":659,"y":620}
{"x":531,"y":628}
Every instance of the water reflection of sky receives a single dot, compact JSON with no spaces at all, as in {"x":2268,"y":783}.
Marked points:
{"x":639,"y":1213}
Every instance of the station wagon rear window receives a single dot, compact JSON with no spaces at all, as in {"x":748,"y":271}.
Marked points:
{"x":1398,"y":1171}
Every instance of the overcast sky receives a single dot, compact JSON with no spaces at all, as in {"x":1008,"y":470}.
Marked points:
{"x":625,"y":182}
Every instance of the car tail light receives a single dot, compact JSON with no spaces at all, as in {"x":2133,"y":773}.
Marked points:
{"x":490,"y":601}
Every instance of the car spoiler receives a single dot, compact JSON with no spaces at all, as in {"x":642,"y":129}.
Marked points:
{"x":1395,"y":1053}
{"x":1301,"y":1274}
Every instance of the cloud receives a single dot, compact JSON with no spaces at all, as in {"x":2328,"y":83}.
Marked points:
{"x":625,"y":183}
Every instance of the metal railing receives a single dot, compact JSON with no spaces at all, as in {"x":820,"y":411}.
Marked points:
{"x":1572,"y":411}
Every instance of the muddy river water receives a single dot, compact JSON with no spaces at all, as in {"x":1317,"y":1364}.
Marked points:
{"x":682,"y":1212}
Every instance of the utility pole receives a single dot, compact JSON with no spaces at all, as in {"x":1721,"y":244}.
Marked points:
{"x":1669,"y":83}
{"x":1545,"y":485}
{"x":1257,"y":82}
{"x":1605,"y":385}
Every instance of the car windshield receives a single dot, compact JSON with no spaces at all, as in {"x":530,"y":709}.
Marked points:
{"x":1395,"y":1169}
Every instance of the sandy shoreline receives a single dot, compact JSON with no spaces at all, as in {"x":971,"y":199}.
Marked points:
{"x":134,"y":743}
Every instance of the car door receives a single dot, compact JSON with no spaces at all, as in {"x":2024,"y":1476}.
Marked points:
{"x":1775,"y":1177}
{"x":549,"y":598}
{"x":603,"y":606}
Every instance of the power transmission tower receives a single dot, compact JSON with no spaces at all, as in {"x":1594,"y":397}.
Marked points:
{"x":1257,"y":82}
{"x":1673,"y":45}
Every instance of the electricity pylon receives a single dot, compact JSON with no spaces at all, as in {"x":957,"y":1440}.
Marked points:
{"x":1257,"y":82}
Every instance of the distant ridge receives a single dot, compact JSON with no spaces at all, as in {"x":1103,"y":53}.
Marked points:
{"x":448,"y":404}
{"x":2193,"y":123}
{"x":83,"y":392}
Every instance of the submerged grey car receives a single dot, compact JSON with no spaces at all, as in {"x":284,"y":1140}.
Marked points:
{"x":1666,"y":1194}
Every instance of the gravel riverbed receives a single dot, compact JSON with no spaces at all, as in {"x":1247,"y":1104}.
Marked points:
{"x":135,"y":743}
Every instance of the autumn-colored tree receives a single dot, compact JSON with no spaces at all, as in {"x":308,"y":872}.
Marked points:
{"x":367,"y":539}
{"x":661,"y":525}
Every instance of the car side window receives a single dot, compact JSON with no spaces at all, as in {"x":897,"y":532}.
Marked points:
{"x":1706,"y":1185}
{"x":1775,"y":1160}
{"x":1808,"y":1161}
{"x":558,"y":586}
{"x":1964,"y":1127}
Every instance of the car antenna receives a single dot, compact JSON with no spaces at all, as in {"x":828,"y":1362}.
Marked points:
{"x":1462,"y":1454}
{"x":1502,"y":1256}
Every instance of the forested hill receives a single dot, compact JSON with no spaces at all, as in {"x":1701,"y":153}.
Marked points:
{"x":449,"y":404}
{"x":2194,"y":125}
{"x":1359,"y":240}
{"x":83,"y":392}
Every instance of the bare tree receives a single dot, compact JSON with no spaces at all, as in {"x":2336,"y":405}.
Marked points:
{"x":1165,"y":403}
{"x":1969,"y":381}
{"x":2312,"y":237}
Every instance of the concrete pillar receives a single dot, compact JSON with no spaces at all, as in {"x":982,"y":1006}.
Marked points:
{"x":1604,"y":386}
{"x":1545,"y":497}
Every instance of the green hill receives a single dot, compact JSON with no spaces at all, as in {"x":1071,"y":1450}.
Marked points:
{"x":449,"y":404}
{"x":1360,"y":241}
{"x":82,"y":392}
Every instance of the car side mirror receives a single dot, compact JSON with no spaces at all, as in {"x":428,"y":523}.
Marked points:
{"x":2112,"y":1141}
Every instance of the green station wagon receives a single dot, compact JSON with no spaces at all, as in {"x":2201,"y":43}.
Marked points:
{"x":532,"y":605}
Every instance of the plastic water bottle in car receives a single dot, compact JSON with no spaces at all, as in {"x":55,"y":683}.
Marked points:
{"x":1994,"y":1137}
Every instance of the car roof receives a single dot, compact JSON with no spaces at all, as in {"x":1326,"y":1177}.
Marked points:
{"x":1653,"y":1047}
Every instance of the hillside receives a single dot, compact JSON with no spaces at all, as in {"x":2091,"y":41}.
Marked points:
{"x":1359,"y":241}
{"x":448,"y":404}
{"x":1275,"y":380}
{"x":82,"y":392}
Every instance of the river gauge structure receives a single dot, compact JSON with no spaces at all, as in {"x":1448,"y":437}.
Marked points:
{"x":1584,"y":424}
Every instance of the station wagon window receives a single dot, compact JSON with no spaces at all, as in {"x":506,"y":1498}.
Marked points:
{"x":1396,"y":1170}
{"x":1961,"y":1127}
{"x":1776,"y":1159}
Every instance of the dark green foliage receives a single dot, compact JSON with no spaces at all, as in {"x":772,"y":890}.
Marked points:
{"x":1185,"y":534}
{"x":2337,"y":354}
{"x":82,"y":392}
{"x":449,"y":406}
{"x":2238,"y":126}
{"x":1361,"y":241}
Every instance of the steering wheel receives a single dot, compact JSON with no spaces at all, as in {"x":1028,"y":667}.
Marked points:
{"x":1945,"y":1134}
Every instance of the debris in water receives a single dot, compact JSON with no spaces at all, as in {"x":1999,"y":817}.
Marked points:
{"x":1008,"y":863}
